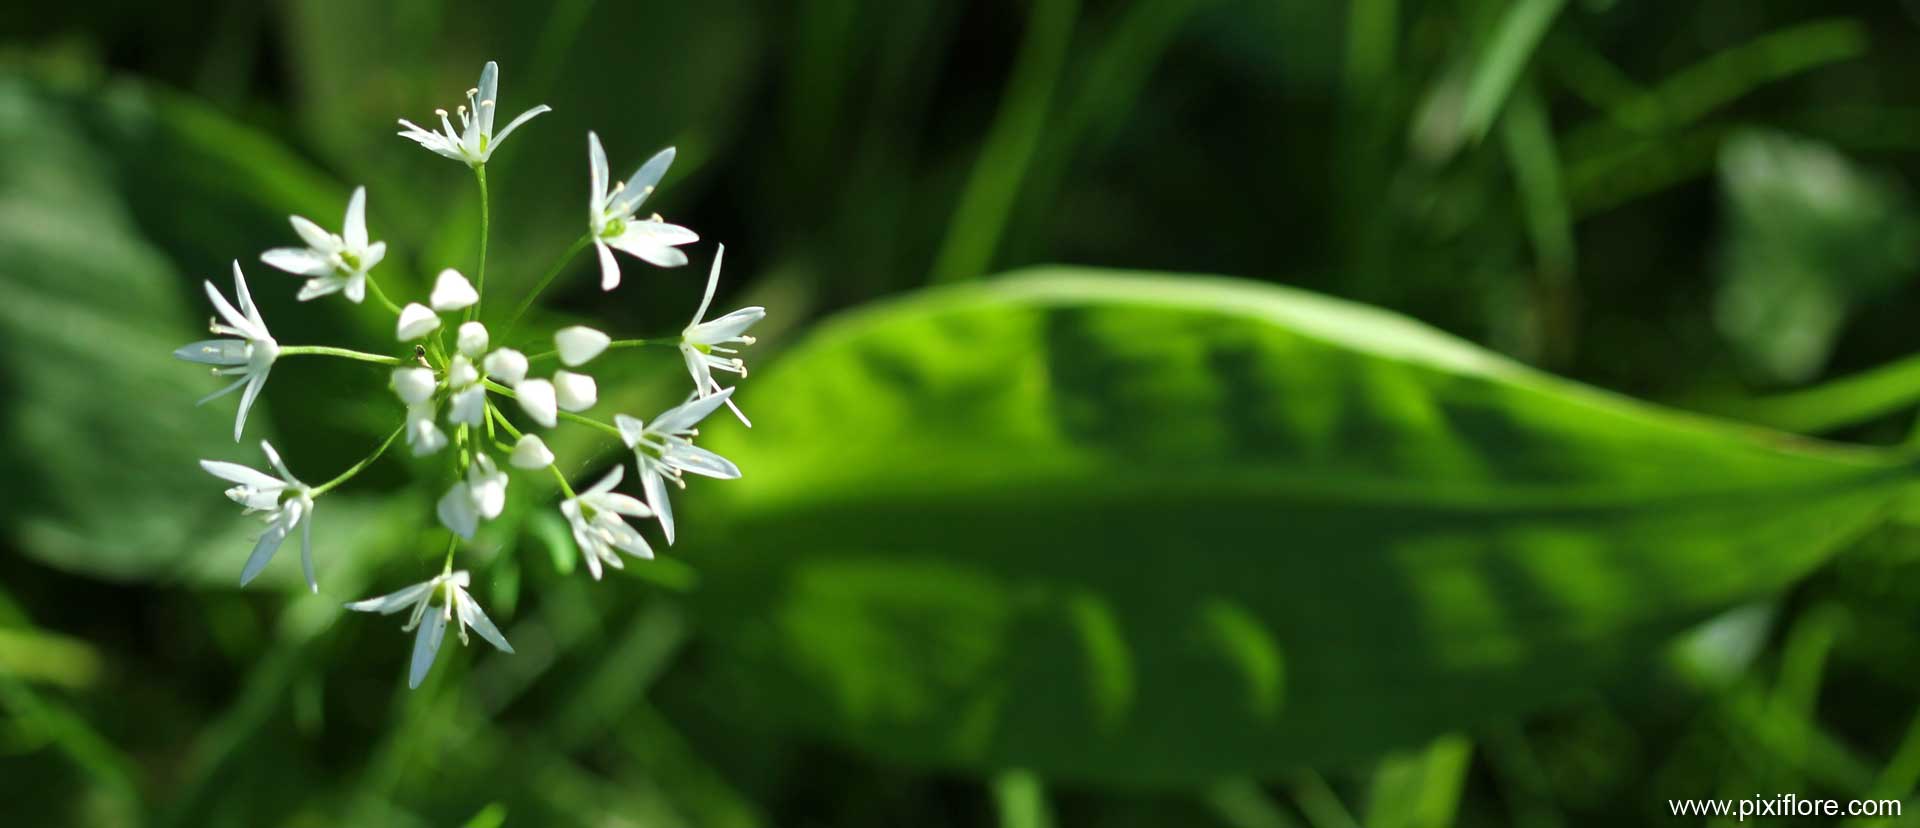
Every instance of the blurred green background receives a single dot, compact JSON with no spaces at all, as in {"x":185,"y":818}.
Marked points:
{"x":1069,"y":546}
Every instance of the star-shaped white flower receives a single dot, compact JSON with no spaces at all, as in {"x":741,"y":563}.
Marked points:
{"x":332,"y":263}
{"x":286,"y":502}
{"x":475,"y":141}
{"x":482,"y":496}
{"x":610,"y":216}
{"x":705,"y":344}
{"x":451,"y":588}
{"x":249,"y":357}
{"x":664,"y":448}
{"x":598,"y":528}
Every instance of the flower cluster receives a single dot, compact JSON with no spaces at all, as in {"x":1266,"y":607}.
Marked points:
{"x":453,"y":378}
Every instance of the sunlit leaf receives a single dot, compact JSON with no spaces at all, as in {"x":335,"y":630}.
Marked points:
{"x":1167,"y":529}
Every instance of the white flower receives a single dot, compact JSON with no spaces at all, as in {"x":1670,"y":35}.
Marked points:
{"x":471,"y":339}
{"x":704,"y":344}
{"x":664,"y":448}
{"x":610,"y":216}
{"x":537,"y":399}
{"x":579,"y":344}
{"x":468,"y":405}
{"x":454,"y":603}
{"x":425,"y":437}
{"x":574,"y":392}
{"x":416,"y":320}
{"x":287,"y":502}
{"x":530,"y":452}
{"x":481,"y":496}
{"x":452,"y":292}
{"x":476,"y":140}
{"x":413,"y":385}
{"x":506,"y":365}
{"x":332,"y":264}
{"x":249,"y":357}
{"x":595,"y":516}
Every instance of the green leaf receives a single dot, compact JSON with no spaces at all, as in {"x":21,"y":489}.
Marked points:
{"x":1811,"y":237}
{"x":1169,"y":529}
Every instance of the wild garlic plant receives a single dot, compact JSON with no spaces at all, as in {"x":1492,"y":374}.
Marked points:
{"x":452,"y":383}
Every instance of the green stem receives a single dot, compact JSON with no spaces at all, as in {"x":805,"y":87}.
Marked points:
{"x":1831,"y":405}
{"x":480,"y":277}
{"x":453,"y":542}
{"x":515,"y":434}
{"x":552,"y":273}
{"x":504,"y":391}
{"x":324,"y":350}
{"x":357,"y":467}
{"x":657,"y":342}
{"x":374,"y":286}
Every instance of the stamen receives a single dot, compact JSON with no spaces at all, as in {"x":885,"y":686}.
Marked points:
{"x":440,"y":112}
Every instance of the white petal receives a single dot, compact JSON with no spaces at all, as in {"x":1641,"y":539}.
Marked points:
{"x":426,"y":645}
{"x":574,"y":392}
{"x":393,"y":602}
{"x":254,"y":383}
{"x":643,"y":182}
{"x":488,"y":89}
{"x":579,"y":344}
{"x":297,"y":260}
{"x":623,"y":504}
{"x":413,"y":385}
{"x":472,"y":339}
{"x":605,"y":484}
{"x":416,"y":320}
{"x":688,"y":414}
{"x":713,"y":282}
{"x":316,"y":238}
{"x":515,"y":124}
{"x":472,"y":616}
{"x":452,"y":291}
{"x":468,"y":407}
{"x":422,"y":434}
{"x":243,"y":475}
{"x":354,"y":232}
{"x":461,"y":372}
{"x":457,"y":511}
{"x":372,"y":256}
{"x":643,"y":246}
{"x":726,"y":328}
{"x":631,"y":429}
{"x":609,"y":269}
{"x":655,"y":487}
{"x":213,"y":352}
{"x":506,"y":365}
{"x":530,"y":452}
{"x":263,"y":550}
{"x":319,"y":286}
{"x":537,"y":399}
{"x":596,"y":179}
{"x":691,"y":458}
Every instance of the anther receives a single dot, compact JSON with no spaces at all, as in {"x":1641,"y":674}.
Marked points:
{"x":440,"y":112}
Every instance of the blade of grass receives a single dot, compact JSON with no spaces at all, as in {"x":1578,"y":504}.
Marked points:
{"x":1241,"y":803}
{"x":1527,"y":138}
{"x":1497,"y":68}
{"x":974,"y":232}
{"x":1420,"y":789}
{"x":1020,"y":800}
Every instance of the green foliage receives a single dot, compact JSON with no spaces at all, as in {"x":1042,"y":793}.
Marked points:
{"x":1812,"y":237}
{"x":1167,"y":529}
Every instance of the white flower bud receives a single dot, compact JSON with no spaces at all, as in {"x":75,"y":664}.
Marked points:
{"x":575,"y":392}
{"x":578,"y":344}
{"x":506,"y":365}
{"x":452,"y":292}
{"x":530,"y":453}
{"x":416,"y":320}
{"x":536,"y":398}
{"x":472,"y":339}
{"x":461,"y":374}
{"x":413,"y":385}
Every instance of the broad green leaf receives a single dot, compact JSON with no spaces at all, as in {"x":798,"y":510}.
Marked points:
{"x":1168,"y":529}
